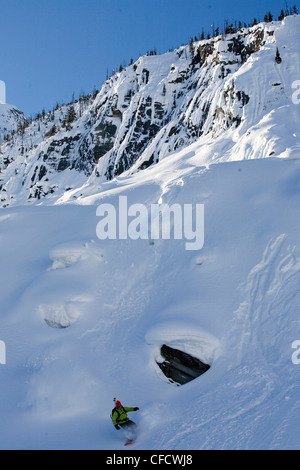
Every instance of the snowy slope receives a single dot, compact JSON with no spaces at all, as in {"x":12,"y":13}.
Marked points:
{"x":227,"y":95}
{"x":235,"y":304}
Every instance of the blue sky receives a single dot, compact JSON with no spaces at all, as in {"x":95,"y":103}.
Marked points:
{"x":52,"y":49}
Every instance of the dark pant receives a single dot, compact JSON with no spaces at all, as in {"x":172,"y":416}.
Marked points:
{"x":129,"y":428}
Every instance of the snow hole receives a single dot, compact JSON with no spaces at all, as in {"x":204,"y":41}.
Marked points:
{"x":182,"y":353}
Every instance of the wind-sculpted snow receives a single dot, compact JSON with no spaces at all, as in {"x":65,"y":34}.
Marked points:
{"x":263,"y":329}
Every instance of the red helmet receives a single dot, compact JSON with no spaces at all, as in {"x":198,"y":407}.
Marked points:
{"x":118,"y":403}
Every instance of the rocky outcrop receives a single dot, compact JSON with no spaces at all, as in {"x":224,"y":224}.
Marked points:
{"x":156,"y":106}
{"x":180,"y":367}
{"x":11,"y":119}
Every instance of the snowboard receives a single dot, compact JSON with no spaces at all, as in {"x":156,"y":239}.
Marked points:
{"x":129,"y":443}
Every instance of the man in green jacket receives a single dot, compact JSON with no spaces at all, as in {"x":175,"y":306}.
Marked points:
{"x":120,"y":419}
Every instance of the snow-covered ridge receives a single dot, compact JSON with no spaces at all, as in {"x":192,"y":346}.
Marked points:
{"x":226,"y":94}
{"x":83,"y":320}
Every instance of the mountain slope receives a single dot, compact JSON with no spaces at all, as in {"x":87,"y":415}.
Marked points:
{"x":227,"y":94}
{"x":10,"y":119}
{"x":83,"y":319}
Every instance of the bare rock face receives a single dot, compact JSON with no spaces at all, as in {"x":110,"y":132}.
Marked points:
{"x":179,"y":366}
{"x":145,"y":112}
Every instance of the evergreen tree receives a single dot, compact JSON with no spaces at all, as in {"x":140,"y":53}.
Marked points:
{"x":230,"y":29}
{"x":95,"y":93}
{"x":69,"y":118}
{"x":71,"y":115}
{"x":191,"y":46}
{"x":278,"y":59}
{"x":268,"y":18}
{"x":52,"y":131}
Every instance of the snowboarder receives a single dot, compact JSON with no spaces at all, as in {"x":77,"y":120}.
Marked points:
{"x":120,"y":420}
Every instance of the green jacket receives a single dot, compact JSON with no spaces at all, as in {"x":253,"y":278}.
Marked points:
{"x":120,"y":416}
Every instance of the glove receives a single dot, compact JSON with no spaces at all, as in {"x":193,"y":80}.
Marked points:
{"x":117,"y":426}
{"x":136,"y":408}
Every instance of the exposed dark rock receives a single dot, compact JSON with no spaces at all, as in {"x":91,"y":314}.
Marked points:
{"x":105,"y":129}
{"x":158,"y":110}
{"x":239,"y":48}
{"x":179,"y":366}
{"x":147,"y":163}
{"x":243,"y":97}
{"x":42,"y":172}
{"x":145,"y":76}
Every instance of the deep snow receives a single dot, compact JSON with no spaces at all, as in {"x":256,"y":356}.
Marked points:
{"x":234,"y":304}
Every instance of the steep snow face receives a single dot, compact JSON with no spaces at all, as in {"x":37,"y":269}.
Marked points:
{"x":227,"y":95}
{"x":10,"y":118}
{"x":83,"y":320}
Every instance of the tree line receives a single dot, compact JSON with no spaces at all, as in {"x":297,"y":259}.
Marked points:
{"x":234,"y":27}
